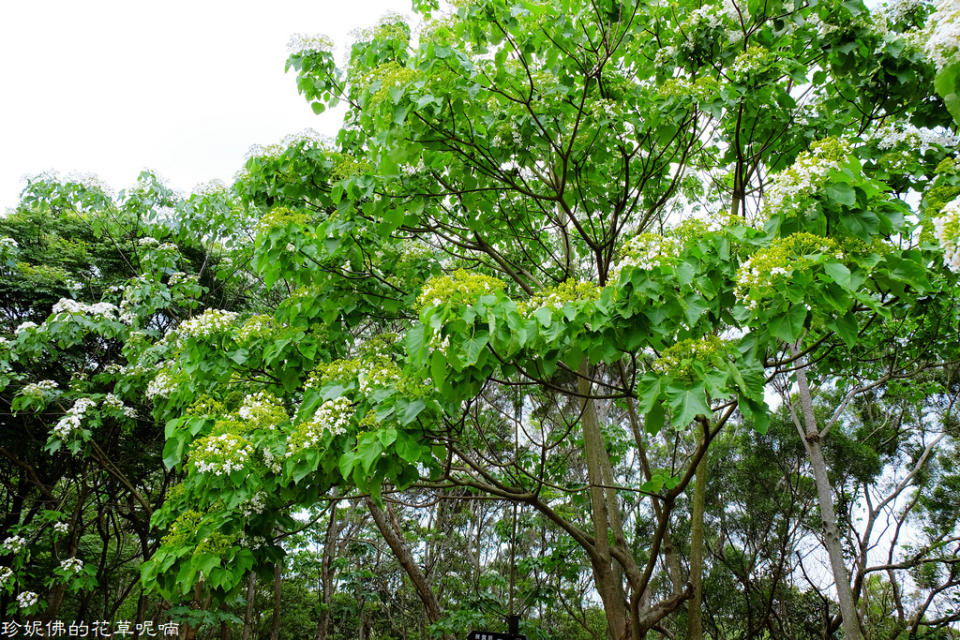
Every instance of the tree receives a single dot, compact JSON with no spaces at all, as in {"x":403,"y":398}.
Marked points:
{"x":551,"y":238}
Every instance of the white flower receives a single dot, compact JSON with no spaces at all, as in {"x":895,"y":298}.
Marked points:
{"x":291,"y":247}
{"x":69,"y":424}
{"x":161,"y":385}
{"x":74,"y":565}
{"x":13,"y":544}
{"x":947,"y":231}
{"x":207,"y":323}
{"x":26,"y":599}
{"x":61,"y":527}
{"x":645,"y":251}
{"x":942,"y":42}
{"x":254,"y":505}
{"x":923,"y":139}
{"x":37,"y":389}
{"x":221,"y":454}
{"x":300,"y":43}
{"x":211,"y":188}
{"x":793,"y":187}
{"x":102,"y":310}
{"x":332,"y":417}
{"x":5,"y":575}
{"x":305,"y":137}
{"x":24,"y":326}
{"x":90,"y":182}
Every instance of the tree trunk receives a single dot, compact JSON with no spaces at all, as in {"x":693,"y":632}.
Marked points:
{"x":326,"y":573}
{"x":831,"y":534}
{"x":248,"y":612}
{"x":694,"y":619}
{"x":608,"y":577}
{"x":389,"y":528}
{"x":277,"y":586}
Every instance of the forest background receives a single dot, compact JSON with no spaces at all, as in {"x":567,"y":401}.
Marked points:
{"x":633,"y":320}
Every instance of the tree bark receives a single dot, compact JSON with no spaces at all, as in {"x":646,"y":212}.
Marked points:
{"x":277,"y":587}
{"x":694,"y":615}
{"x":248,"y":612}
{"x":390,"y":530}
{"x":608,"y":577}
{"x":810,"y":435}
{"x":326,"y":573}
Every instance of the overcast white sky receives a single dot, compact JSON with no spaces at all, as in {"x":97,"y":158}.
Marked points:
{"x":182,"y":87}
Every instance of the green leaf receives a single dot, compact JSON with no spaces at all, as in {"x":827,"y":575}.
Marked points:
{"x":841,"y":193}
{"x":686,"y":404}
{"x":947,"y":84}
{"x":407,"y":447}
{"x":408,"y":411}
{"x":789,"y":326}
{"x":368,"y":451}
{"x":838,"y":273}
{"x":654,"y":419}
{"x":648,"y":392}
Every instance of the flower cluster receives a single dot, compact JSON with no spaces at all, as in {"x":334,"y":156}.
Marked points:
{"x":646,"y":251}
{"x":280,"y":217}
{"x":460,"y":287}
{"x":942,"y":44}
{"x":27,"y":599}
{"x":221,"y":454}
{"x":99,"y":310}
{"x":61,"y":527}
{"x":702,"y":88}
{"x":72,"y":565}
{"x":263,"y":409}
{"x":808,"y":174}
{"x":210,"y":188}
{"x":207,"y":324}
{"x":555,"y":297}
{"x":339,"y":370}
{"x":903,"y":134}
{"x":307,"y":138}
{"x":677,"y":359}
{"x":5,"y":574}
{"x":376,"y":373}
{"x":24,"y":326}
{"x":301,"y":43}
{"x":947,"y":231}
{"x":271,"y":461}
{"x":114,"y":403}
{"x":255,"y":327}
{"x":37,"y":389}
{"x":900,"y":10}
{"x":255,"y":505}
{"x":69,"y":424}
{"x":753,"y":61}
{"x":162,"y":385}
{"x":332,"y":417}
{"x":385,"y":77}
{"x":13,"y":544}
{"x":759,"y":275}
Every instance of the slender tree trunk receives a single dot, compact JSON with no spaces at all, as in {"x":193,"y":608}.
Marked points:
{"x":326,"y":573}
{"x":248,"y":612}
{"x":277,"y":592}
{"x":694,"y":615}
{"x":389,"y":529}
{"x":609,"y":580}
{"x":831,"y":534}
